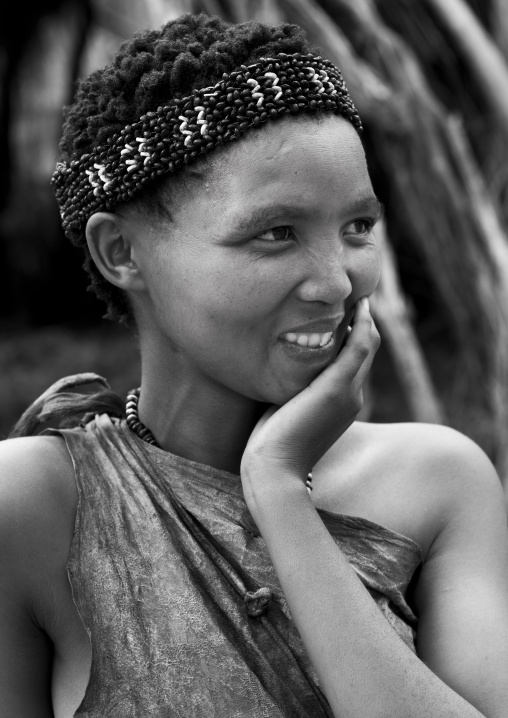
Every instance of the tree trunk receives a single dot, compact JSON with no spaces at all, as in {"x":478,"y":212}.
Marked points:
{"x":485,"y":60}
{"x":390,"y":311}
{"x":499,"y":23}
{"x":30,"y":222}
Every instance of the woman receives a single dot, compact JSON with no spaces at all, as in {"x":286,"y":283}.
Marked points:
{"x":176,"y":564}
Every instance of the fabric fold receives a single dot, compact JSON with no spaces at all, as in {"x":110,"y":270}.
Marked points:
{"x":175,"y":587}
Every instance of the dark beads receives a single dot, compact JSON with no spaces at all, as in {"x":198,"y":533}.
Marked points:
{"x":132,"y":418}
{"x":230,"y":108}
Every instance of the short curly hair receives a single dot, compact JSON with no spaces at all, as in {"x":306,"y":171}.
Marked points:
{"x":149,"y":70}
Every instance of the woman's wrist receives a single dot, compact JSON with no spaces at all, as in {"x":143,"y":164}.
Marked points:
{"x":269,"y":487}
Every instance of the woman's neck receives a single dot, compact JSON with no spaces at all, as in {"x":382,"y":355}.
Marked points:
{"x":194,"y":417}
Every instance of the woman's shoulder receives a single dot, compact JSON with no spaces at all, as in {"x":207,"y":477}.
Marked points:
{"x":411,"y":477}
{"x":428,"y":444}
{"x":434,"y":456}
{"x":30,"y":465}
{"x":38,"y":500}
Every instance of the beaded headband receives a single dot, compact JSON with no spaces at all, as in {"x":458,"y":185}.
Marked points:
{"x":165,"y":140}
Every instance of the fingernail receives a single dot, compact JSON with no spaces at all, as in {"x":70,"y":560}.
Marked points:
{"x":365,"y":303}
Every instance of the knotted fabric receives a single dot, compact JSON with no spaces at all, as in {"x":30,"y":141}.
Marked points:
{"x":177,"y":592}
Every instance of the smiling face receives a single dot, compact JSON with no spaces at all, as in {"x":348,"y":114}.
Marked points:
{"x":274,"y":247}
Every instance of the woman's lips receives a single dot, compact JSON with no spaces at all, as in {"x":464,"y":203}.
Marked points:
{"x":309,"y":353}
{"x":317,"y":326}
{"x":314,"y":339}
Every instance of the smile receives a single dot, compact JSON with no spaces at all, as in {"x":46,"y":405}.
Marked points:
{"x":308,"y":340}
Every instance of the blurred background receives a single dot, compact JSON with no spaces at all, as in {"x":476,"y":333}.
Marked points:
{"x":430,"y":80}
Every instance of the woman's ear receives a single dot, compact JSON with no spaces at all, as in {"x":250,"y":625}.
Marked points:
{"x":112,"y":251}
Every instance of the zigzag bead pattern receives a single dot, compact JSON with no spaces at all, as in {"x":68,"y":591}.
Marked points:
{"x":173,"y":135}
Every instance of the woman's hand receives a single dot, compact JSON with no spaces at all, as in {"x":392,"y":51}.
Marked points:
{"x":292,"y":438}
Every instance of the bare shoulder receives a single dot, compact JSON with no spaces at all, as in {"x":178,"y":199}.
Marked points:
{"x":434,"y":452}
{"x":38,"y":499}
{"x":34,"y":468}
{"x":435,"y":457}
{"x":411,"y":477}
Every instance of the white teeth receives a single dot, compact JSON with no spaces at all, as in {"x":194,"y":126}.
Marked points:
{"x":308,"y":340}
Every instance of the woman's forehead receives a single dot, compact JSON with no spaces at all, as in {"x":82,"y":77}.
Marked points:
{"x":282,"y":135}
{"x":291,"y":157}
{"x":288,"y":172}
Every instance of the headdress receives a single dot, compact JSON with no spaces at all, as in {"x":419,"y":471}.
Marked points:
{"x":173,"y":135}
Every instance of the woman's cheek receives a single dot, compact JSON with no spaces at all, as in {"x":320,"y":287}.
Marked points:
{"x":368,"y":270}
{"x":364,"y":272}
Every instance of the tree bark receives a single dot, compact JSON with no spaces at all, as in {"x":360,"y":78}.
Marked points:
{"x":210,"y":7}
{"x":499,"y":23}
{"x":390,"y":310}
{"x":29,"y":223}
{"x":495,"y":241}
{"x":484,"y":58}
{"x":373,"y":97}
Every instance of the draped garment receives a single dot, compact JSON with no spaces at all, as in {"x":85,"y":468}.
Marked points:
{"x":177,"y":592}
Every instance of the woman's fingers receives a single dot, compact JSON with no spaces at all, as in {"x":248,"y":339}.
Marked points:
{"x":353,"y":362}
{"x":375,"y":341}
{"x":335,"y":397}
{"x":361,"y":345}
{"x":300,"y":432}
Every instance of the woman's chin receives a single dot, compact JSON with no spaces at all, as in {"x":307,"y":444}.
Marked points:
{"x":287,"y":388}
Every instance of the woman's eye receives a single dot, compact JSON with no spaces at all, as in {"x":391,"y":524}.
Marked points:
{"x":360,"y":226}
{"x":276,"y":234}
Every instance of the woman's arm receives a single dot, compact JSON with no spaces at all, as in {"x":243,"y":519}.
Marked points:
{"x":30,"y":516}
{"x":25,"y":658}
{"x":363,"y":666}
{"x":462,"y":593}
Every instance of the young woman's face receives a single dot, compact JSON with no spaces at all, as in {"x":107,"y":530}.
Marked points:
{"x":271,"y":253}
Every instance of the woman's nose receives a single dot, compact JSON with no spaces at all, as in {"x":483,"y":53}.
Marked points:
{"x":327,"y":279}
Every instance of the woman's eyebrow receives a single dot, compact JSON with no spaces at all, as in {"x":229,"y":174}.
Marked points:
{"x":265,"y":214}
{"x":260,"y":215}
{"x":369,"y":203}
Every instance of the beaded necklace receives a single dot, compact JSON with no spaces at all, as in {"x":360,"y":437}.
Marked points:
{"x":132,"y":418}
{"x":144,"y":433}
